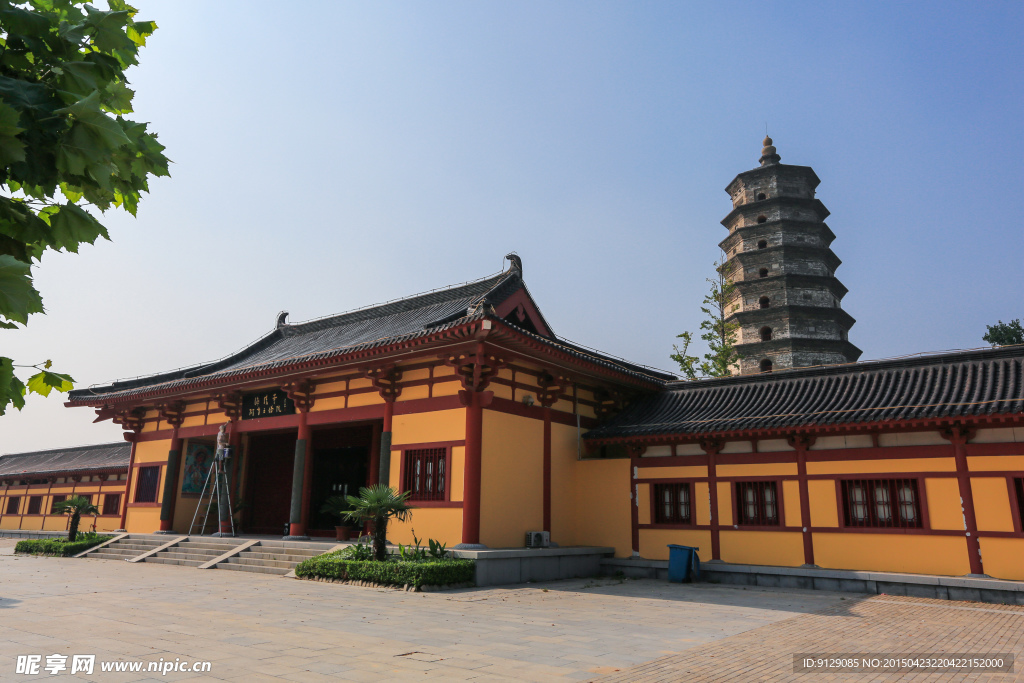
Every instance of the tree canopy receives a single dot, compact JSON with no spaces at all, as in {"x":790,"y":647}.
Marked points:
{"x":66,"y":149}
{"x":720,"y":334}
{"x":1005,"y":334}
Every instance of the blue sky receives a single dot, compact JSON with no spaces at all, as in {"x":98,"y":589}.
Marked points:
{"x":351,"y":153}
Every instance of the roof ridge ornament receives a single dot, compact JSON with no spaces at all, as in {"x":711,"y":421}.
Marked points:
{"x":769,"y":155}
{"x":516,"y":263}
{"x":282,"y":320}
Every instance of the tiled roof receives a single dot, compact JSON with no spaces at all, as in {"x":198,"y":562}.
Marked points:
{"x":962,"y":384}
{"x":398,"y":321}
{"x":102,"y":457}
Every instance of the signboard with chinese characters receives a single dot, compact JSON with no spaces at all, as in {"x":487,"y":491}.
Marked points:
{"x":266,"y":404}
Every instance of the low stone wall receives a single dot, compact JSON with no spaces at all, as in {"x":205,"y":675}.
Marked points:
{"x":978,"y":589}
{"x":520,"y":565}
{"x":15,"y":533}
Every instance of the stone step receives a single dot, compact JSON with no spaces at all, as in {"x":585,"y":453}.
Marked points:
{"x":175,"y":554}
{"x":219,"y":548}
{"x":290,"y":556}
{"x":114,"y":550}
{"x":134,"y":547}
{"x":281,"y":571}
{"x":103,"y":555}
{"x":321,"y":547}
{"x":248,"y":562}
{"x":171,"y":560}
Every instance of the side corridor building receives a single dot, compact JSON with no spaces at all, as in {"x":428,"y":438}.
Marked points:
{"x":468,"y":399}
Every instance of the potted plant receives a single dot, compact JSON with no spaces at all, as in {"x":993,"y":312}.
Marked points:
{"x":339,"y":507}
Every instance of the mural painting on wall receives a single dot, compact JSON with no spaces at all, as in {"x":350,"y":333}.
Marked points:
{"x":198,"y":460}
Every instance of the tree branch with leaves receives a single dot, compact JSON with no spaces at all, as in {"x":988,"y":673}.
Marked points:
{"x":720,"y":334}
{"x":66,"y":149}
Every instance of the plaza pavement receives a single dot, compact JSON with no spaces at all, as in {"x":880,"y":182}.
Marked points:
{"x":256,"y":627}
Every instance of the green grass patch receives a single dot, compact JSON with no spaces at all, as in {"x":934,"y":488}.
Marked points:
{"x":389,"y":573}
{"x":59,"y":547}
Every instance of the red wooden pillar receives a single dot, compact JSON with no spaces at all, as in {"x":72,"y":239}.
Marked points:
{"x":959,"y":436}
{"x":300,"y":494}
{"x":128,"y":482}
{"x":801,"y":444}
{"x":170,"y":484}
{"x":384,"y":450}
{"x":474,"y":402}
{"x":634,"y":501}
{"x":547,"y":468}
{"x":712,"y":448}
{"x":373,"y":471}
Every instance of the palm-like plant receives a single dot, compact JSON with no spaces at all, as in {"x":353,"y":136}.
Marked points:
{"x":377,"y":504}
{"x":76,"y":506}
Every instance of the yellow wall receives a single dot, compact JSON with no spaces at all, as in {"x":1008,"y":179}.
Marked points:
{"x":644,"y":503}
{"x":873,"y":466}
{"x":441,"y":425}
{"x":912,"y":553}
{"x":1003,"y":558}
{"x":778,"y":548}
{"x":943,"y":499}
{"x":821,"y":495}
{"x":681,"y":472}
{"x":992,"y":509}
{"x":512,"y":478}
{"x":724,"y":503}
{"x":440,"y":524}
{"x":602,"y":500}
{"x":791,"y":499}
{"x":654,"y":542}
{"x":564,"y":470}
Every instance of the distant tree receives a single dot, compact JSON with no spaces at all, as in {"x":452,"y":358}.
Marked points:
{"x":720,"y":335}
{"x":64,"y":148}
{"x":1005,"y":334}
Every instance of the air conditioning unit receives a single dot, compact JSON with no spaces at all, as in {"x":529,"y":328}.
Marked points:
{"x":538,"y":539}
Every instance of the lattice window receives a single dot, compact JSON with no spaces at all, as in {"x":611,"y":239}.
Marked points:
{"x":882,"y":503}
{"x":145,"y":490}
{"x":672,"y":504}
{"x":57,"y":498}
{"x":112,"y":504}
{"x":757,"y":503}
{"x":13,"y":504}
{"x":425,"y":473}
{"x":35,"y":505}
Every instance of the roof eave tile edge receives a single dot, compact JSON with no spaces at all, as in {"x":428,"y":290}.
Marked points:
{"x":807,"y":429}
{"x":465,"y":329}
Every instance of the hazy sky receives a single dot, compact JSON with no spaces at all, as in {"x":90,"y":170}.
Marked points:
{"x":330,"y":155}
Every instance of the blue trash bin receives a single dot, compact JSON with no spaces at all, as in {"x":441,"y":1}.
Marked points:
{"x":683,"y":563}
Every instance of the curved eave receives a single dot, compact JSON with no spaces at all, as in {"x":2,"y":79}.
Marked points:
{"x":458,"y":331}
{"x":116,"y":469}
{"x":836,"y":429}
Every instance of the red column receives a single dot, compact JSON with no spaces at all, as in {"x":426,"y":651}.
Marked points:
{"x":373,"y":471}
{"x":711,"y":448}
{"x":471,"y":481}
{"x":298,"y":528}
{"x":170,"y":483}
{"x":547,"y":468}
{"x":634,"y":505}
{"x":128,"y":484}
{"x":801,"y":445}
{"x":958,"y":437}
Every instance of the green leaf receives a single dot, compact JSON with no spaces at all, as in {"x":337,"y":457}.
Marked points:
{"x":91,"y":120}
{"x":72,"y":225}
{"x":18,"y":297}
{"x":44,"y":382}
{"x":12,"y":149}
{"x":78,"y":78}
{"x":12,"y":391}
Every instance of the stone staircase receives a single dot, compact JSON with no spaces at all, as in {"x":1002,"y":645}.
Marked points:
{"x":195,"y":550}
{"x":266,"y":556}
{"x":128,"y":547}
{"x":273,"y":557}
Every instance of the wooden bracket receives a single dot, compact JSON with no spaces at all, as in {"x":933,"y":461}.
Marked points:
{"x":301,"y":393}
{"x":386,"y":379}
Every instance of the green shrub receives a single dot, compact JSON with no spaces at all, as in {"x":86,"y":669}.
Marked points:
{"x":389,"y":572}
{"x":59,"y":547}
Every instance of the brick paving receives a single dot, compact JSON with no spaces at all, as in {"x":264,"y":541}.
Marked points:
{"x":877,"y":624}
{"x":255,"y":627}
